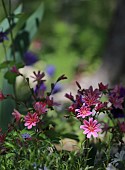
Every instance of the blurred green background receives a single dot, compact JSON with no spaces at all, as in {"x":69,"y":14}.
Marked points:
{"x":72,"y":33}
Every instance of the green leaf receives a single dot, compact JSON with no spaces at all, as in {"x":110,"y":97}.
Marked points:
{"x":43,"y":136}
{"x":92,"y":154}
{"x":5,"y":64}
{"x":8,"y":64}
{"x":33,"y":22}
{"x":30,"y":132}
{"x":27,"y":32}
{"x":7,"y":106}
{"x":10,"y":155}
{"x":11,"y":77}
{"x":5,"y":25}
{"x":9,"y":145}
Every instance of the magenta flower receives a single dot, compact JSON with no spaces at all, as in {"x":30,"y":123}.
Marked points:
{"x":70,"y":96}
{"x":40,"y":107}
{"x":14,"y":69}
{"x":31,"y":120}
{"x":90,"y":100}
{"x":102,"y":87}
{"x":100,"y":106}
{"x":91,"y":127}
{"x":72,"y":108}
{"x":38,"y":77}
{"x":91,"y":96}
{"x":17,"y":115}
{"x":83,"y":111}
{"x":50,"y":102}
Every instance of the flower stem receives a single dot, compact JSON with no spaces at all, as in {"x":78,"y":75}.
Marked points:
{"x":5,"y":51}
{"x":8,"y":16}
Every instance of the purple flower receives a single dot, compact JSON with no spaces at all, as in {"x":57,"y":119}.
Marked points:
{"x":50,"y":70}
{"x":40,"y":88}
{"x":26,"y":136}
{"x":38,"y":77}
{"x":57,"y":88}
{"x":30,"y":58}
{"x":3,"y":36}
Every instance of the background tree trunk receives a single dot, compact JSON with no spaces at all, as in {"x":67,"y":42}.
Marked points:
{"x":113,"y":61}
{"x":112,"y":69}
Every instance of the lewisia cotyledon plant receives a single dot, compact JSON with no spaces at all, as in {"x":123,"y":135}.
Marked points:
{"x":31,"y":120}
{"x":89,"y":103}
{"x":91,"y":127}
{"x":83,"y":111}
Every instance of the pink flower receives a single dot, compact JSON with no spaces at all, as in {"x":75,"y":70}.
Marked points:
{"x":90,"y":100}
{"x":31,"y":120}
{"x":50,"y":102}
{"x":91,"y":127}
{"x":17,"y":115}
{"x":91,"y":96}
{"x":14,"y":69}
{"x":100,"y":106}
{"x":2,"y":97}
{"x":83,"y":111}
{"x":72,"y":108}
{"x":40,"y":107}
{"x":102,"y":87}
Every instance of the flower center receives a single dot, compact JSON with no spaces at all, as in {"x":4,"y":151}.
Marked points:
{"x":91,"y":128}
{"x":84,"y":111}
